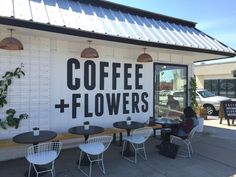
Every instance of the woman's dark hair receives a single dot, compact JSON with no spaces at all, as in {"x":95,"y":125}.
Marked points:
{"x":189,"y":112}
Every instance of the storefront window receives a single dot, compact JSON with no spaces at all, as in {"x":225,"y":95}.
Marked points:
{"x":223,"y":87}
{"x":207,"y":85}
{"x":170,"y":89}
{"x":231,"y":88}
{"x":214,"y":87}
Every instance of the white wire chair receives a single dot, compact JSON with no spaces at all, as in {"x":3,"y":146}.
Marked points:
{"x":94,"y":149}
{"x":185,"y":140}
{"x":137,"y":140}
{"x":43,"y":154}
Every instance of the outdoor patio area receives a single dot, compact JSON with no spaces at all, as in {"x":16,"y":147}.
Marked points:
{"x":214,"y":156}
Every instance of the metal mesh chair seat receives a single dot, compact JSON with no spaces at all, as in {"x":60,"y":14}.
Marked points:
{"x":137,"y":140}
{"x":42,"y":158}
{"x":43,"y":154}
{"x":94,"y":149}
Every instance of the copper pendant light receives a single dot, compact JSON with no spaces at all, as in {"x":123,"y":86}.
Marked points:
{"x":11,"y":43}
{"x":89,"y":52}
{"x":144,"y":57}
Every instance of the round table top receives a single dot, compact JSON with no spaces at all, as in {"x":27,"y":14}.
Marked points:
{"x":29,"y":138}
{"x":79,"y":130}
{"x":166,"y":121}
{"x":124,"y":125}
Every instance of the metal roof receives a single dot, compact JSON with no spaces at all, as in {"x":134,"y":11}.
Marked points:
{"x":112,"y":20}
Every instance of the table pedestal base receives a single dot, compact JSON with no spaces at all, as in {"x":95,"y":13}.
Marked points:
{"x":84,"y":161}
{"x":165,"y":136}
{"x":128,"y":152}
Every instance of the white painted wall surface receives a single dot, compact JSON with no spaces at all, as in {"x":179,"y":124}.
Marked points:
{"x":29,"y":94}
{"x":45,"y":65}
{"x":59,"y":89}
{"x":45,"y":83}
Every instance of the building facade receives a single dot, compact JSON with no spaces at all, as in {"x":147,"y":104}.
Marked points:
{"x":61,"y":89}
{"x":218,"y":78}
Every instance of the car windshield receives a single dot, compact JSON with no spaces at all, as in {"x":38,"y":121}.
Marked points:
{"x":206,"y":94}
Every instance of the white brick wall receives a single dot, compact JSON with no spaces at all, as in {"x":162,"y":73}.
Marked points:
{"x":29,"y":94}
{"x":43,"y":57}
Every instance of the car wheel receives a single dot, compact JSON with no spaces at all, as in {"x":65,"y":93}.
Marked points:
{"x":209,"y":109}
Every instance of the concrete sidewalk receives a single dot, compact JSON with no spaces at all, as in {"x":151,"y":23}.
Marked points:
{"x":214,"y":156}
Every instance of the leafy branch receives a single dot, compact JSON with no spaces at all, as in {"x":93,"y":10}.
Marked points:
{"x":6,"y":82}
{"x":193,"y":94}
{"x":11,"y":119}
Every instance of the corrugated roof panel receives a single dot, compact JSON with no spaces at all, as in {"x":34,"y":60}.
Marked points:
{"x":107,"y":19}
{"x":212,"y":46}
{"x":179,"y":34}
{"x":90,"y":14}
{"x":102,"y":20}
{"x":54,"y":13}
{"x":172,"y":34}
{"x":100,"y":25}
{"x":145,"y":28}
{"x":22,"y":9}
{"x":223,"y":46}
{"x":86,"y":23}
{"x":197,"y":37}
{"x":119,"y":23}
{"x":76,"y":11}
{"x":139,"y":26}
{"x":38,"y":11}
{"x":126,"y":27}
{"x":112,"y":21}
{"x":214,"y":42}
{"x":164,"y":32}
{"x":208,"y":43}
{"x":185,"y":34}
{"x":106,"y":22}
{"x":191,"y":36}
{"x":134,"y":26}
{"x":67,"y":14}
{"x":151,"y":29}
{"x":155,"y":30}
{"x":6,"y":8}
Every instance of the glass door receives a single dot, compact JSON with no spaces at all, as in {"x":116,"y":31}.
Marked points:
{"x":170,"y":90}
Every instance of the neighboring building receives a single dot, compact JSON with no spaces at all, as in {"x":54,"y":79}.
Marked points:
{"x":61,"y":89}
{"x":217,"y":78}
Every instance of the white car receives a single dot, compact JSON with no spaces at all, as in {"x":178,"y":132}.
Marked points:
{"x":210,"y":101}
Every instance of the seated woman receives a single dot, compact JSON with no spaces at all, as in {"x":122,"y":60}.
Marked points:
{"x":188,"y":123}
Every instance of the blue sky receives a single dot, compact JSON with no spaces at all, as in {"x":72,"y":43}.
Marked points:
{"x":217,"y":18}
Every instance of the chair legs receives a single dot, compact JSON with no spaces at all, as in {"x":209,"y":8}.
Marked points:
{"x":190,"y":148}
{"x":52,"y":170}
{"x":99,"y":159}
{"x":29,"y":170}
{"x":137,"y":148}
{"x":187,"y":143}
{"x":102,"y":168}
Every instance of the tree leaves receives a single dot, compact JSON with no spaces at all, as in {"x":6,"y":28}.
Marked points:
{"x":193,"y":94}
{"x":7,"y":81}
{"x":11,"y":120}
{"x":23,"y":116}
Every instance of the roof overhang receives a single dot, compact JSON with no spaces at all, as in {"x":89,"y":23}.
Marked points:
{"x":94,"y":35}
